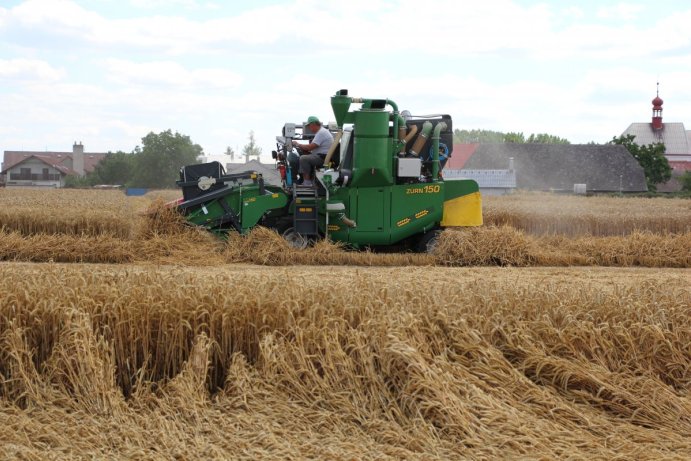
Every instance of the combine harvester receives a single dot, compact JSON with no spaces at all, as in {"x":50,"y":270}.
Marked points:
{"x":381,"y":186}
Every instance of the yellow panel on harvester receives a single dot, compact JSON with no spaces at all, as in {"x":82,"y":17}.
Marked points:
{"x":463,"y":211}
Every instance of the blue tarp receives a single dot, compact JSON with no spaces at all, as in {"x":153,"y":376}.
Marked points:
{"x":135,"y":191}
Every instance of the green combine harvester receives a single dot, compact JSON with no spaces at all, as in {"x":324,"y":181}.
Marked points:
{"x":381,"y":186}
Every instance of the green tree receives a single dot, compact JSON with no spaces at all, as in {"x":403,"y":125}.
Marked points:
{"x":251,"y":149}
{"x":478,"y":136}
{"x":514,"y":137}
{"x":488,"y":136}
{"x":544,"y":138}
{"x":685,"y":181}
{"x":157,"y":163}
{"x":650,"y":157}
{"x":115,"y":168}
{"x":74,"y":181}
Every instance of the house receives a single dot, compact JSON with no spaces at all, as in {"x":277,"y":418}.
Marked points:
{"x":46,"y":169}
{"x":560,"y":167}
{"x":491,"y":182}
{"x":675,"y":137}
{"x":268,"y":172}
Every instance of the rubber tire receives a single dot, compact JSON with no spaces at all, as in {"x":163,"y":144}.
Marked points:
{"x":428,"y":241}
{"x":296,"y":240}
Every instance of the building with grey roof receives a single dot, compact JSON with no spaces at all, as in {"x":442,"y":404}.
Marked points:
{"x":675,"y":137}
{"x":558,"y":167}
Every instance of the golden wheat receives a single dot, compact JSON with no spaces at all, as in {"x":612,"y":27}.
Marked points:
{"x":108,"y":227}
{"x":556,"y":214}
{"x":247,"y":361}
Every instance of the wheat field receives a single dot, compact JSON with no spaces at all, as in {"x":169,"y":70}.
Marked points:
{"x":247,"y":362}
{"x":125,"y":334}
{"x":522,"y":230}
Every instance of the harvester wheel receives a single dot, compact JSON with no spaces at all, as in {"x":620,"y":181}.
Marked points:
{"x":296,"y":240}
{"x":428,"y":241}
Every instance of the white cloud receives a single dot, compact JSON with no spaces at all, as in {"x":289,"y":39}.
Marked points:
{"x":161,"y":4}
{"x":29,"y":70}
{"x":63,"y":16}
{"x":501,"y":64}
{"x":169,"y":74}
{"x":620,"y":11}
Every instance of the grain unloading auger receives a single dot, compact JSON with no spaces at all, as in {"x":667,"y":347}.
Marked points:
{"x":381,"y":185}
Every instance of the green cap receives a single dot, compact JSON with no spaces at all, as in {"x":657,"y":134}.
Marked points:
{"x":313,"y":119}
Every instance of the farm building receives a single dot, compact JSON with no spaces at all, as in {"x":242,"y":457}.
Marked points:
{"x":555,"y":167}
{"x":46,"y":169}
{"x":491,"y":182}
{"x":675,"y":137}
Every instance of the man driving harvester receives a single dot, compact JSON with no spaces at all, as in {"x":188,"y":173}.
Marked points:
{"x":312,"y":155}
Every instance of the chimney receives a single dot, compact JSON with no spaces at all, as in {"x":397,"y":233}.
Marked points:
{"x":78,"y":158}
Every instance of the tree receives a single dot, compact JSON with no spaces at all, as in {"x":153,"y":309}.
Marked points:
{"x":544,"y":138}
{"x":74,"y":181}
{"x":650,"y":157}
{"x":251,"y":149}
{"x":230,"y":153}
{"x":157,"y":163}
{"x":478,"y":136}
{"x":514,"y":137}
{"x":685,"y":181}
{"x":488,"y":136}
{"x":115,"y":168}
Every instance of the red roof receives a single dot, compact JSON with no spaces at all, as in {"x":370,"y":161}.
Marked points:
{"x":54,"y":159}
{"x":680,"y":166}
{"x":461,"y":154}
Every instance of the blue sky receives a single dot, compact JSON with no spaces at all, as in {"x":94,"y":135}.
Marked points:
{"x":107,"y":72}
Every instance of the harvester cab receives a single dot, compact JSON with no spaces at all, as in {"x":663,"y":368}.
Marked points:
{"x":381,"y":185}
{"x":287,"y":156}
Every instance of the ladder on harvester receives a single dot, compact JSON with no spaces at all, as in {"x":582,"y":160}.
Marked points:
{"x":306,"y":218}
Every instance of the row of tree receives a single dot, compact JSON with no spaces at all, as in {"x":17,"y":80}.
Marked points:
{"x":154,"y":165}
{"x":489,"y":136}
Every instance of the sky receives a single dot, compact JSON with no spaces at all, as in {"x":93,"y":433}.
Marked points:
{"x":108,"y":72}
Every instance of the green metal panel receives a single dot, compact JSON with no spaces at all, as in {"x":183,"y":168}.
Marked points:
{"x":370,"y":212}
{"x":415,"y":208}
{"x":372,"y":161}
{"x":373,"y":215}
{"x":254,"y":206}
{"x":246,"y":202}
{"x":459,"y":187}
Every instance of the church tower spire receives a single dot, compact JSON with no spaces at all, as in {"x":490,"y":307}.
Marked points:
{"x":657,"y":110}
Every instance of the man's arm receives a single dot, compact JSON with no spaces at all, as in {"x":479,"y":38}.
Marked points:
{"x":306,"y":147}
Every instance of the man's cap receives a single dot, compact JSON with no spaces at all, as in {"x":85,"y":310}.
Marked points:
{"x":313,"y":119}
